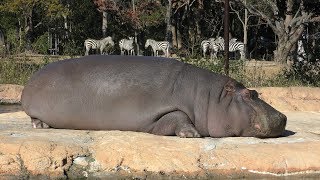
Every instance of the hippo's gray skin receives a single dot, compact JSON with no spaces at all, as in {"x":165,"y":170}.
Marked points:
{"x":147,"y":94}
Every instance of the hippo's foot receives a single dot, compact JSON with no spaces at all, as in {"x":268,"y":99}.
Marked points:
{"x":175,"y":123}
{"x":187,"y":131}
{"x":36,"y":123}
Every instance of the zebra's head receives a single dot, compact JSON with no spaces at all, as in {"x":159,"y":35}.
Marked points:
{"x":219,"y":40}
{"x":211,"y":39}
{"x":108,"y":40}
{"x":233,"y":40}
{"x":148,"y":43}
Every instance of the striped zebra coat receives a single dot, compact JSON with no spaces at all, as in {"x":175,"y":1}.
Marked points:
{"x":126,"y":45}
{"x":158,"y":46}
{"x":209,"y":46}
{"x":301,"y":53}
{"x":97,"y":44}
{"x":234,"y":46}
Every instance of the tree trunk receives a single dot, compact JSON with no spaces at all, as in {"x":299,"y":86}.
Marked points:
{"x":179,"y":36}
{"x":245,"y":32}
{"x":286,"y":42}
{"x":174,"y":33}
{"x":198,"y":15}
{"x":104,"y":23}
{"x":179,"y":39}
{"x":20,"y":36}
{"x":289,"y":14}
{"x":283,"y":50}
{"x":135,"y":31}
{"x":168,"y":22}
{"x":28,"y":30}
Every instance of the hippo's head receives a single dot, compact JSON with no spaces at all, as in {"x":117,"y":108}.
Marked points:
{"x":240,"y":112}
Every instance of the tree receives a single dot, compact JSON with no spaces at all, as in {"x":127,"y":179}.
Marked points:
{"x":287,"y":18}
{"x":168,"y":21}
{"x":134,"y":16}
{"x":101,"y":7}
{"x":24,"y":10}
{"x":244,"y":19}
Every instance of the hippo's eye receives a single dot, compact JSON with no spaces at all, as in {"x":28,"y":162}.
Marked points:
{"x":254,"y":94}
{"x":246,"y":94}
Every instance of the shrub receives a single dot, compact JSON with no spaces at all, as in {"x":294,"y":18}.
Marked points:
{"x":70,"y":48}
{"x":40,"y":45}
{"x":13,"y":71}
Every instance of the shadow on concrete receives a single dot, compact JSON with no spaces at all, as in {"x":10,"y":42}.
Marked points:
{"x":10,"y":108}
{"x":287,"y":133}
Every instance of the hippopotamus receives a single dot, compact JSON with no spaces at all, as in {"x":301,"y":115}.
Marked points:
{"x":156,"y":95}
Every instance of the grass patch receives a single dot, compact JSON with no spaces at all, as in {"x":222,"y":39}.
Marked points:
{"x":250,"y":73}
{"x":253,"y":73}
{"x":18,"y":71}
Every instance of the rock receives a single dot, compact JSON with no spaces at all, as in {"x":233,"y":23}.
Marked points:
{"x":61,"y":154}
{"x":58,"y":153}
{"x":10,"y":93}
{"x":292,"y":98}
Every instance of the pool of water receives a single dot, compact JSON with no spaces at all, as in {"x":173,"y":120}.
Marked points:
{"x":10,"y":108}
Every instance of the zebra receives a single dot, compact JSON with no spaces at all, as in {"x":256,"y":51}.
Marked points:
{"x":158,"y":46}
{"x":126,"y":44}
{"x":234,"y":46}
{"x":209,"y":45}
{"x":301,"y":53}
{"x":97,"y":44}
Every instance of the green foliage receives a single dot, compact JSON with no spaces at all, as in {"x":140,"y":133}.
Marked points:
{"x":16,"y":44}
{"x":13,"y":71}
{"x":72,"y":49}
{"x":236,"y":68}
{"x":41,"y":44}
{"x":307,"y":72}
{"x":154,"y":18}
{"x":255,"y":77}
{"x":2,"y":50}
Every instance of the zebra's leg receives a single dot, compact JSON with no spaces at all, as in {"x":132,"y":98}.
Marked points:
{"x":215,"y":54}
{"x":87,"y":51}
{"x":101,"y":49}
{"x":242,"y":55}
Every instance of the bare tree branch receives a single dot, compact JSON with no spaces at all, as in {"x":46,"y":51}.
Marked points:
{"x":256,"y":12}
{"x":315,"y":19}
{"x":237,"y":13}
{"x":274,"y":7}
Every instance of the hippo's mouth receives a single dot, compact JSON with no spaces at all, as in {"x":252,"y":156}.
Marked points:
{"x":268,"y":132}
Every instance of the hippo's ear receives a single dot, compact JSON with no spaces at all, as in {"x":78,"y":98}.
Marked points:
{"x":230,"y":87}
{"x":254,"y":94}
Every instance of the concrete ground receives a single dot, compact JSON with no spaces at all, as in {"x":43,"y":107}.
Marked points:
{"x":54,"y":153}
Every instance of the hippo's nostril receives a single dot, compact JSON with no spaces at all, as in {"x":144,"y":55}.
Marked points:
{"x":257,"y":126}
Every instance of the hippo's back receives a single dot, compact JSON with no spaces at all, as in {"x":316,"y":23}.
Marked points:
{"x":84,"y":92}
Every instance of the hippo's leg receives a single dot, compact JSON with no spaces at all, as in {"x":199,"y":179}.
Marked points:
{"x":37,"y":123}
{"x":175,"y":123}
